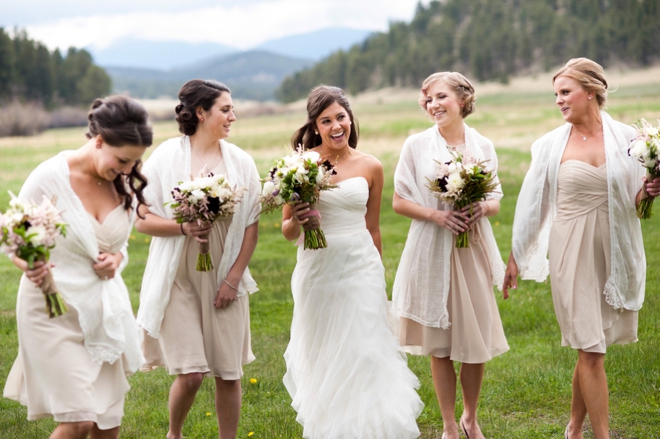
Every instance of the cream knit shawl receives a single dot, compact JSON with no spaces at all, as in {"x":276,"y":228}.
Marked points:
{"x":537,"y":206}
{"x":104,"y":308}
{"x":421,"y":286}
{"x":168,"y":165}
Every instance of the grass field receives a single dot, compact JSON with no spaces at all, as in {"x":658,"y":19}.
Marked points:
{"x":526,"y":392}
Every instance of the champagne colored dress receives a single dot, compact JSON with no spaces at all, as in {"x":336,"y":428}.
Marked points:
{"x":580,"y":262}
{"x":195,"y":336}
{"x":476,"y":334}
{"x":54,"y":375}
{"x":345,"y":372}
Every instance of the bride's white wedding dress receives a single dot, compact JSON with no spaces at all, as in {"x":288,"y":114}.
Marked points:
{"x":345,"y":370}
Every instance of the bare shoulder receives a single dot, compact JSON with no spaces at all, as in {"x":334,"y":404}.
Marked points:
{"x":368,"y":161}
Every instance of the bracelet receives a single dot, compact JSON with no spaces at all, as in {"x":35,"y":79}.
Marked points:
{"x":230,"y":285}
{"x":182,"y":232}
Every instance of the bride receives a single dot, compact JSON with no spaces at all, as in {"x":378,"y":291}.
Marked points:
{"x":345,"y":371}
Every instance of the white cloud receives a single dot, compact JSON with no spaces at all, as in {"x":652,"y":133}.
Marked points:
{"x":242,"y":26}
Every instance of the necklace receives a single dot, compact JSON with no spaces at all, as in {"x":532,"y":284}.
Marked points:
{"x":99,"y":181}
{"x":585,"y":137}
{"x":208,"y":168}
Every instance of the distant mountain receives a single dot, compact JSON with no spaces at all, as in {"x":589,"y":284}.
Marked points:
{"x":251,"y":75}
{"x":163,"y":55}
{"x":316,"y":45}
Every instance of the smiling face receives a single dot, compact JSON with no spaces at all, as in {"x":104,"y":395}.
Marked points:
{"x":115,"y":160}
{"x":443,"y":105}
{"x":334,"y":126}
{"x":573,"y":101}
{"x":218,"y":120}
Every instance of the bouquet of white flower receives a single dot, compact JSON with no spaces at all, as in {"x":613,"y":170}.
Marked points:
{"x":28,"y":231}
{"x":298,"y":177}
{"x":461,"y":182}
{"x":204,"y":200}
{"x":644,"y":148}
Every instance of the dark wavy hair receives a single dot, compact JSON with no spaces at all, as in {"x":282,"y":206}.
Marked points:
{"x":194,"y":94}
{"x":122,"y":121}
{"x":318,"y":100}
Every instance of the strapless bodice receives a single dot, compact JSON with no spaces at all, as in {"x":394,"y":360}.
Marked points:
{"x":343,"y":208}
{"x":581,"y":188}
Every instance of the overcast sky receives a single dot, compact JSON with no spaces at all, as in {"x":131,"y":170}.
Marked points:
{"x":238,"y":23}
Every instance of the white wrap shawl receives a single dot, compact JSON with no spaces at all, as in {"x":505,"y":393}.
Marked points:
{"x":537,"y":206}
{"x":421,"y":286}
{"x":166,"y":168}
{"x":104,"y":308}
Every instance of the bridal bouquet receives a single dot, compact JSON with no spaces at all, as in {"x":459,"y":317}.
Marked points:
{"x":461,"y":182}
{"x":28,"y":231}
{"x":204,"y":199}
{"x":298,"y":177}
{"x":645,"y":148}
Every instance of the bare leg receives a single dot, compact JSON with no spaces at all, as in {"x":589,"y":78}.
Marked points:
{"x":182,"y":396}
{"x":593,"y":387}
{"x":228,"y":398}
{"x":72,"y":430}
{"x":97,"y":433}
{"x":578,"y":408}
{"x":444,"y":381}
{"x":471,"y":377}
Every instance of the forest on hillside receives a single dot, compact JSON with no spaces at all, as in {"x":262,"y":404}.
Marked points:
{"x":489,"y":40}
{"x":29,"y":72}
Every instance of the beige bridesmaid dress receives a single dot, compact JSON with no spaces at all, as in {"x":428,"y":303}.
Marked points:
{"x":579,"y":254}
{"x":54,"y":375}
{"x":196,"y":337}
{"x":476,"y":334}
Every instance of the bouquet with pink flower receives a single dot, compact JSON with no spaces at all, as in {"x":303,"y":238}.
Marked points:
{"x":299,"y":177}
{"x":644,"y":148}
{"x":204,"y":199}
{"x":462,"y":181}
{"x":28,"y":231}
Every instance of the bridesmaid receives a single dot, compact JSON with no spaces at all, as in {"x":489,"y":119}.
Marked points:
{"x":212,"y":306}
{"x":443,"y":295}
{"x":73,"y":367}
{"x":578,"y":203}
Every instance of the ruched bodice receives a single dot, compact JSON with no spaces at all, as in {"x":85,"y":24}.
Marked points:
{"x":111,"y":233}
{"x":581,"y":188}
{"x":580,"y":254}
{"x":343,"y":208}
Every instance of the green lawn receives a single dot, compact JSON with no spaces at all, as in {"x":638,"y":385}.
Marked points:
{"x":526,"y":392}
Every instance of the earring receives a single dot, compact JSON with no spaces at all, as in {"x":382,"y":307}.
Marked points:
{"x":201,"y":119}
{"x":316,"y":132}
{"x":589,"y":98}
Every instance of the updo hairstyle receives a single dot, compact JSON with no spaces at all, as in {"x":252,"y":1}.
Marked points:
{"x":460,"y":84}
{"x":194,"y":94}
{"x":589,"y":74}
{"x":318,"y":100}
{"x":122,"y":121}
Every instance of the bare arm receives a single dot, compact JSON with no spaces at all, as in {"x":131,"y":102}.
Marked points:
{"x":154,"y":225}
{"x":372,"y":217}
{"x":292,"y":220}
{"x":228,"y":289}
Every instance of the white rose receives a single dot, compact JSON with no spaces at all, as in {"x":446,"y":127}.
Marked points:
{"x":451,"y":167}
{"x":279,"y":200}
{"x":652,"y":131}
{"x":186,"y":186}
{"x":638,"y":148}
{"x":37,"y":235}
{"x":268,"y":189}
{"x":311,"y":155}
{"x":196,"y":195}
{"x":649,"y":162}
{"x":223,"y":194}
{"x":319,"y":176}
